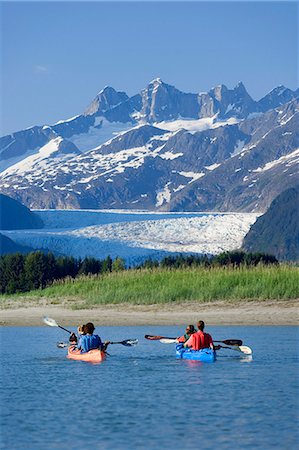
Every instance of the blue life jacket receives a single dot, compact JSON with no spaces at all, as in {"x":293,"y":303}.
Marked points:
{"x":89,"y":342}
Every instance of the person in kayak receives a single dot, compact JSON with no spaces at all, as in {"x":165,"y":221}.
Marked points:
{"x":200,"y":339}
{"x":89,"y":341}
{"x":74,"y":340}
{"x":189,"y":331}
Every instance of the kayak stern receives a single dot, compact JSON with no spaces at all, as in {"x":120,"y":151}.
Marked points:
{"x":94,"y":356}
{"x":204,"y":355}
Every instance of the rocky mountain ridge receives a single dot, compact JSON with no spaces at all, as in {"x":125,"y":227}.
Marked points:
{"x":161,"y":149}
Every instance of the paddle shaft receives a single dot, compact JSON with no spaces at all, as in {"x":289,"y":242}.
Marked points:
{"x":68,"y":331}
{"x":226,"y":341}
{"x":127,"y":343}
{"x":231,"y":342}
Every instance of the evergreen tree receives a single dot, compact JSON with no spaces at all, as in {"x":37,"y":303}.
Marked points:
{"x":107,"y":265}
{"x":118,"y":264}
{"x":67,"y":266}
{"x":39,"y":270}
{"x":12,"y":273}
{"x":90,"y":266}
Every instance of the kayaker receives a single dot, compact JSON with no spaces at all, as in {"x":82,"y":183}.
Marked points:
{"x":189,"y":331}
{"x":89,"y":341}
{"x":74,"y":340}
{"x":200,"y":339}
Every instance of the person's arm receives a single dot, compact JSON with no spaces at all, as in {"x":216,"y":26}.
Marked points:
{"x":79,"y":343}
{"x":73,"y":339}
{"x":212,"y":346}
{"x":105,"y":345}
{"x":102,"y":346}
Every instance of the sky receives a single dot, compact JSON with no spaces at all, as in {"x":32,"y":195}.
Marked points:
{"x":56,"y":56}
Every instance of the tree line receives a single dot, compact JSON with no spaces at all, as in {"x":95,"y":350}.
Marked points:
{"x":231,"y":258}
{"x":36,"y":270}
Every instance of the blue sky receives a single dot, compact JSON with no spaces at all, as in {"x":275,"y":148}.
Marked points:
{"x":56,"y":56}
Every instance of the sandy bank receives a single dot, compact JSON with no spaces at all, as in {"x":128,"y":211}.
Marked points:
{"x":218,"y":313}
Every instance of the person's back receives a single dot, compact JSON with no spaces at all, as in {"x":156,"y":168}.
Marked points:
{"x":200,"y":339}
{"x":88,"y":340}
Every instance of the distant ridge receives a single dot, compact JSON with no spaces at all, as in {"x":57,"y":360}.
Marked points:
{"x":15,"y":216}
{"x":277,"y":231}
{"x":8,"y":246}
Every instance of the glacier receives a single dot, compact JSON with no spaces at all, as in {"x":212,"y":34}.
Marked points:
{"x":135,"y":235}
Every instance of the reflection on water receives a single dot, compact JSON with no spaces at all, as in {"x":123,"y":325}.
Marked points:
{"x":143,"y":398}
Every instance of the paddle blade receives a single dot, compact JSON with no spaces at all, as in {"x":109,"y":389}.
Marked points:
{"x":152,"y":338}
{"x":62,"y":344}
{"x":50,"y":322}
{"x":167,"y":341}
{"x":157,"y":338}
{"x":242,"y":348}
{"x":130,"y":342}
{"x":245,"y":349}
{"x":127,"y":342}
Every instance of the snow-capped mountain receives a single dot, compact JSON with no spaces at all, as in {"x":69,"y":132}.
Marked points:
{"x":160,"y":149}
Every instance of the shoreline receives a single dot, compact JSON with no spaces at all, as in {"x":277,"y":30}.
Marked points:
{"x":266,"y":313}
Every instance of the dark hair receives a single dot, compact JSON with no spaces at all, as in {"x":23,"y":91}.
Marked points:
{"x":191,"y":329}
{"x":89,"y":328}
{"x":200,"y":325}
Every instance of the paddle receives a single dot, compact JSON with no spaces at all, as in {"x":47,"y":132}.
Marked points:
{"x":53,"y":323}
{"x":126,"y":343}
{"x":240,"y":348}
{"x":171,"y":340}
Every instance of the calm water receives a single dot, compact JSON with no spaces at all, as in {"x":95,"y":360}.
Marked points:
{"x":143,"y":398}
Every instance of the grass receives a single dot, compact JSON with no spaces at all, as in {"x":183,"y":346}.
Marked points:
{"x":162,"y":286}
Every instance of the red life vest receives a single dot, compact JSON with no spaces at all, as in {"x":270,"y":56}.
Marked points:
{"x":199,"y":340}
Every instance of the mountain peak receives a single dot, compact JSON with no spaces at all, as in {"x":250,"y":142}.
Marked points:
{"x":156,"y":81}
{"x":279,"y":89}
{"x":107,"y":98}
{"x":240,"y":86}
{"x":218,"y":91}
{"x":277,"y":97}
{"x":106,"y":89}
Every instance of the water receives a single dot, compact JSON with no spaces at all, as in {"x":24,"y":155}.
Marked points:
{"x":143,"y":398}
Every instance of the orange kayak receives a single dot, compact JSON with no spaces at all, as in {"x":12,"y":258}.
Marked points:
{"x":94,"y":356}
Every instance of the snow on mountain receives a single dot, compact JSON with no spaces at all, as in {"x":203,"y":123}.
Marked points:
{"x":194,"y":126}
{"x":239,"y":184}
{"x":101,"y":132}
{"x":56,"y":148}
{"x":287,"y":160}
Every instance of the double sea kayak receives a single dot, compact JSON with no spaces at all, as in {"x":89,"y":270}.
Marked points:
{"x":94,"y":356}
{"x":204,"y":355}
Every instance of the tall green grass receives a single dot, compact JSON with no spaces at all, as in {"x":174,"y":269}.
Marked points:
{"x":181,"y":285}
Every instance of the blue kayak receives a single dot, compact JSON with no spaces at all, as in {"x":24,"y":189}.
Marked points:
{"x":204,"y":355}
